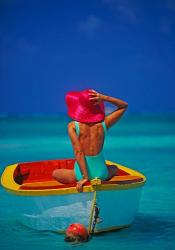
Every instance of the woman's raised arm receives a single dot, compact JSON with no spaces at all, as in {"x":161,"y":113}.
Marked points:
{"x":113,"y":117}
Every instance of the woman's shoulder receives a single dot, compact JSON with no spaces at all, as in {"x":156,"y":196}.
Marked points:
{"x":71,"y":124}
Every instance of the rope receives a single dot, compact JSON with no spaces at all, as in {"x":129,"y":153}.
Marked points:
{"x":92,"y":212}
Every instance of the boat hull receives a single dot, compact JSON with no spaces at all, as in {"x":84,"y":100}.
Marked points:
{"x":117,"y":209}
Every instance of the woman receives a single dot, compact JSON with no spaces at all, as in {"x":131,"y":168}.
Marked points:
{"x":87,"y":134}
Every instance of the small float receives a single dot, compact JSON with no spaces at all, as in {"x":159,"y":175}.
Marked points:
{"x":45,"y":204}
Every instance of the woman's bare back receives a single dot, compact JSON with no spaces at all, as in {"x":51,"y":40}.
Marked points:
{"x":91,"y":138}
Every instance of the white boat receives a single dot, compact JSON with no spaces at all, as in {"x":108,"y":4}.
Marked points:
{"x":45,"y":204}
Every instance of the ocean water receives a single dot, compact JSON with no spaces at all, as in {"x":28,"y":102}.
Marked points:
{"x":143,"y":142}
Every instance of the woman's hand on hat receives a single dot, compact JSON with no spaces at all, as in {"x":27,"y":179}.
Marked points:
{"x":80,"y":185}
{"x":95,"y":96}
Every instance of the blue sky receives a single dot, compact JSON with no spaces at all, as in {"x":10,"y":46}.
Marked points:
{"x":119,"y":47}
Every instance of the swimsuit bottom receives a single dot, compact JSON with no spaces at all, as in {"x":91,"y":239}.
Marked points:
{"x":96,"y":167}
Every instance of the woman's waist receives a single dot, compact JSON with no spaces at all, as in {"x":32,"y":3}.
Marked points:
{"x":97,"y":156}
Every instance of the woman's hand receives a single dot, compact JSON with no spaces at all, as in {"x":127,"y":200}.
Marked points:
{"x":95,"y":96}
{"x":80,"y":185}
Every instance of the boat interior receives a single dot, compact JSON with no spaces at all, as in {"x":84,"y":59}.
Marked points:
{"x":38,"y":175}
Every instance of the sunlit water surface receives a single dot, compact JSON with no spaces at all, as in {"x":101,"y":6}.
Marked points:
{"x":142,"y":142}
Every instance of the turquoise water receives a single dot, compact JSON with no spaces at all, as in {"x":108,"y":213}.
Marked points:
{"x":142,"y":142}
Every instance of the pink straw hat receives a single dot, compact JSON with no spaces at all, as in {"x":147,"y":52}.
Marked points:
{"x":81,"y":109}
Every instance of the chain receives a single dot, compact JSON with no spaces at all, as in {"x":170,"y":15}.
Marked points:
{"x":94,"y":210}
{"x":96,"y":217}
{"x":95,"y":221}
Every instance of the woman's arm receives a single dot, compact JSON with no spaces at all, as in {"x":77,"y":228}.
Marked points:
{"x":120,"y":104}
{"x":79,"y":155}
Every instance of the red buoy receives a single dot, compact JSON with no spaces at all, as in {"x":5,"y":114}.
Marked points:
{"x":77,"y":231}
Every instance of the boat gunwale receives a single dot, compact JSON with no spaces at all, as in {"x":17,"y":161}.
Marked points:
{"x":7,"y":181}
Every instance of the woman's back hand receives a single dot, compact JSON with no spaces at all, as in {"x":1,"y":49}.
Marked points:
{"x":95,"y":96}
{"x":80,"y":185}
